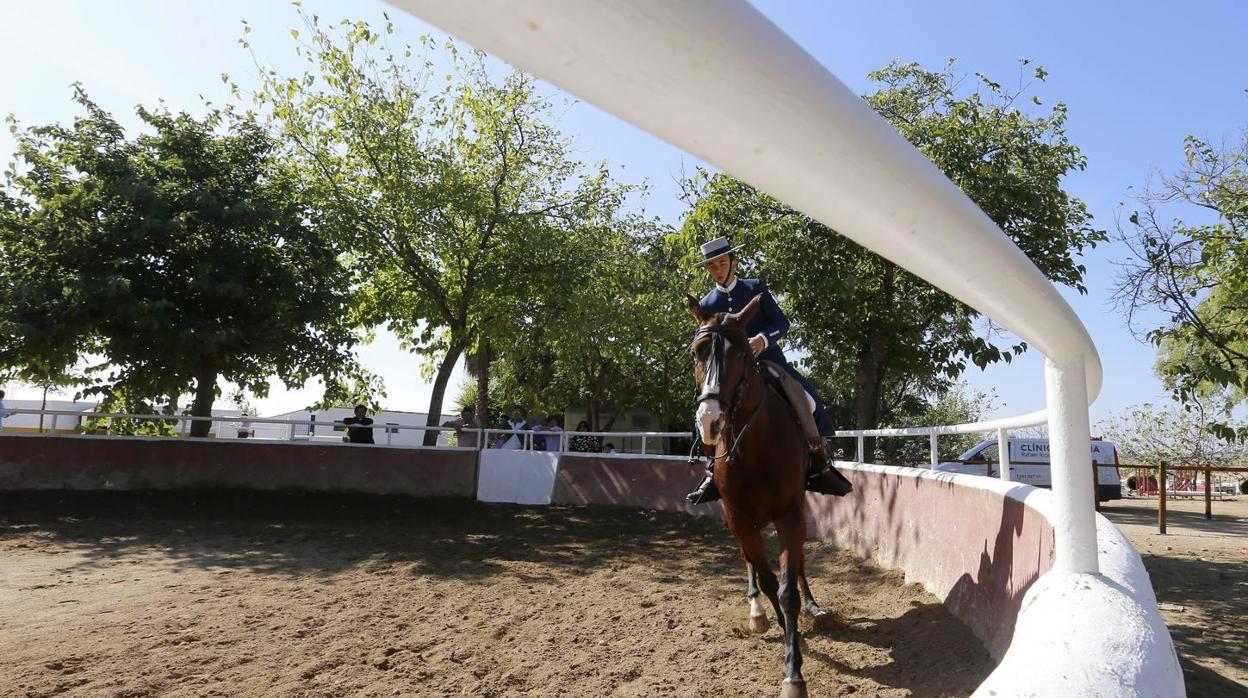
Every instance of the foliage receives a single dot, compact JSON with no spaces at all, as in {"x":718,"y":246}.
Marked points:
{"x":458,"y":198}
{"x":875,"y":336}
{"x":1147,"y":434}
{"x":957,"y":405}
{"x":118,"y":401}
{"x":1185,"y":286}
{"x":619,"y":341}
{"x":180,"y":256}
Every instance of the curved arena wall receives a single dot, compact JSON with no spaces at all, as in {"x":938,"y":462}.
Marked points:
{"x":980,"y":545}
{"x":126,"y":463}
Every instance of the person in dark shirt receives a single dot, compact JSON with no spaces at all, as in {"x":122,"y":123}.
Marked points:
{"x":362,"y":434}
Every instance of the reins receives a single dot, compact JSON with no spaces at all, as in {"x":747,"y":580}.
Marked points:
{"x":713,"y":371}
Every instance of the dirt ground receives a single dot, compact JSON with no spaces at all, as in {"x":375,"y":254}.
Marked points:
{"x":252,"y":594}
{"x":1199,"y":571}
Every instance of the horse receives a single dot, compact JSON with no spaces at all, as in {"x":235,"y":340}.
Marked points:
{"x":759,"y":457}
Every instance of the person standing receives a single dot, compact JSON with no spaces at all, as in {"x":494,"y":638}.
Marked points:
{"x":553,"y":433}
{"x":516,"y":423}
{"x":3,"y":413}
{"x":362,"y":431}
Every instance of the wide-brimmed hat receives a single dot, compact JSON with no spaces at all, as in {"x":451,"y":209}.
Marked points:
{"x":716,"y":248}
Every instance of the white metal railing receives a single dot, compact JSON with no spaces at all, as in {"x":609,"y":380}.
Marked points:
{"x":740,"y":94}
{"x":486,"y":438}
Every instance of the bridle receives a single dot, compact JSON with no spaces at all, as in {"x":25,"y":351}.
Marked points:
{"x":714,"y":369}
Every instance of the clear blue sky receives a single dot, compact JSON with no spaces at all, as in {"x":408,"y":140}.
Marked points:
{"x":1137,"y":79}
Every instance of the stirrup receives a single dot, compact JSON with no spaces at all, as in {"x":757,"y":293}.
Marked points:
{"x":706,"y":492}
{"x":822,"y":477}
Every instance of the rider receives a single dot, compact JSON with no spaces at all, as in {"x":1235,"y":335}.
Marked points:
{"x":765,"y":331}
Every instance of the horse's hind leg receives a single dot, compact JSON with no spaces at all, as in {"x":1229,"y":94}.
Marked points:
{"x":812,"y":606}
{"x":758,"y":615}
{"x":792,"y":531}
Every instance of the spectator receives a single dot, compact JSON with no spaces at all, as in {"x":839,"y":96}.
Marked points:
{"x":3,"y":414}
{"x":539,"y":435}
{"x":553,"y":431}
{"x":464,"y":437}
{"x":582,"y":443}
{"x":609,"y":448}
{"x":516,"y":423}
{"x":363,"y":433}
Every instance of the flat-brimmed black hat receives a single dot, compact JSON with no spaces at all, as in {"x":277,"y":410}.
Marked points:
{"x":716,"y":248}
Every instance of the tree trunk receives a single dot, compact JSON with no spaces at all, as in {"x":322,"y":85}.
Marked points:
{"x":869,"y":372}
{"x":43,"y":406}
{"x":439,"y":392}
{"x":205,"y":393}
{"x":483,"y":389}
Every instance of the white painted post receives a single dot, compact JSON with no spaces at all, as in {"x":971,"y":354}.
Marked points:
{"x":1074,"y":522}
{"x":643,"y":444}
{"x":1003,"y":451}
{"x":53,"y":429}
{"x":932,"y":450}
{"x":390,"y":436}
{"x":860,"y":449}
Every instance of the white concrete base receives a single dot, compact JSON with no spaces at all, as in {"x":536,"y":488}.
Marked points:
{"x":1093,"y":635}
{"x":517,"y":477}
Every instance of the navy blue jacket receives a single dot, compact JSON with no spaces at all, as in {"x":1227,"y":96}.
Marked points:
{"x":769,"y":321}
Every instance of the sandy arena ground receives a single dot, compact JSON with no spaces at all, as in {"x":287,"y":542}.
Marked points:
{"x":1199,"y":570}
{"x":250,"y":594}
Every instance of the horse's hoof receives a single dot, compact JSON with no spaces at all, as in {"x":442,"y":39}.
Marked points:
{"x":759,"y":624}
{"x":792,"y":689}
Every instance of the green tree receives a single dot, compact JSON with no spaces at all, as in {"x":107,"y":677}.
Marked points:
{"x":1184,"y":287}
{"x":182,"y":256}
{"x":874,"y":334}
{"x":457,"y":195}
{"x":1146,"y":434}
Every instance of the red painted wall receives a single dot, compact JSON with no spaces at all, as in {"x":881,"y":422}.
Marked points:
{"x":646,"y":483}
{"x":56,"y":462}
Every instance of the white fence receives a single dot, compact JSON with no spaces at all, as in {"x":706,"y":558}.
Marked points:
{"x":648,"y":443}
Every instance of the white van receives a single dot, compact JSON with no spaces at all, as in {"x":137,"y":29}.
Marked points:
{"x":1029,"y":464}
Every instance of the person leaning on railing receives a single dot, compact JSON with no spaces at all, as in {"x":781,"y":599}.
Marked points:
{"x":363,"y":432}
{"x":584,"y":442}
{"x":464,"y":436}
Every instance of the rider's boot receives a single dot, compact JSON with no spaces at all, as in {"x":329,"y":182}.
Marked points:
{"x":821,"y":477}
{"x":706,"y":490}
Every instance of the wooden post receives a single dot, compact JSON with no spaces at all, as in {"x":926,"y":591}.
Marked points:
{"x":1161,"y":498}
{"x":1208,"y":494}
{"x":1096,"y":487}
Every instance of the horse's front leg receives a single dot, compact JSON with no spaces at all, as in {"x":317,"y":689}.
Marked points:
{"x":758,"y":614}
{"x":792,"y":535}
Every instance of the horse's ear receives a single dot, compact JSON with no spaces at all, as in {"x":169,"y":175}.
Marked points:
{"x":743,"y":317}
{"x":695,"y":309}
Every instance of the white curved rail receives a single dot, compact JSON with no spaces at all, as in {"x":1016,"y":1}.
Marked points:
{"x":718,"y":79}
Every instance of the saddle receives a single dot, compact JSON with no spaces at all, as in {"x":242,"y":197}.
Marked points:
{"x":795,"y":395}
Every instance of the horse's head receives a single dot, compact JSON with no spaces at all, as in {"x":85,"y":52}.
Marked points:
{"x":721,"y":359}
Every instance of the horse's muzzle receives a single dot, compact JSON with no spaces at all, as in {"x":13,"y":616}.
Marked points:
{"x":710,"y":421}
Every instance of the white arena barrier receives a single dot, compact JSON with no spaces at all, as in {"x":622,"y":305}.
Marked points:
{"x":716,"y":78}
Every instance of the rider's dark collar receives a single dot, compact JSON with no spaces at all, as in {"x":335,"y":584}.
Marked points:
{"x":729,"y":287}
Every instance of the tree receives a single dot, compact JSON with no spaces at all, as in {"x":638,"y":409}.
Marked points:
{"x":621,"y":341}
{"x":1185,"y":286}
{"x":1146,"y":434}
{"x":458,"y":200}
{"x":874,"y":334}
{"x":181,"y":256}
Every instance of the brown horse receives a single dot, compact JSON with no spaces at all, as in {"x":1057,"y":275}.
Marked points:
{"x":759,"y":454}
